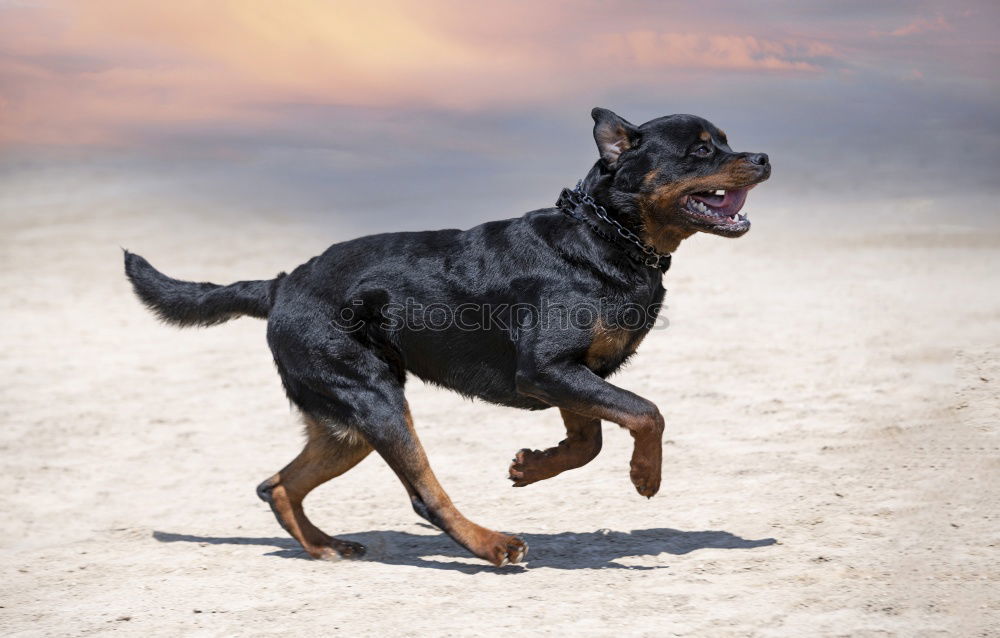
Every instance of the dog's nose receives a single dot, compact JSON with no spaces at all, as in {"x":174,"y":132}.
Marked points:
{"x":760,"y":159}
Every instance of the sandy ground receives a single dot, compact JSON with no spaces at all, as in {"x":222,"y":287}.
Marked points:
{"x":831,"y":464}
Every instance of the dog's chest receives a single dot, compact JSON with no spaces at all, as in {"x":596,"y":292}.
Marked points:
{"x":611,"y":346}
{"x":621,"y":328}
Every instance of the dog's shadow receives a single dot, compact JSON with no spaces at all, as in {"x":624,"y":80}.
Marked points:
{"x":565,"y":550}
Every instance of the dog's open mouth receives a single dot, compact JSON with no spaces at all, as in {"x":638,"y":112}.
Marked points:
{"x":719,"y":209}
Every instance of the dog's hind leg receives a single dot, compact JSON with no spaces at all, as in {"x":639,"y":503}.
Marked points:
{"x":344,"y":381}
{"x":328,"y":453}
{"x":581,"y":445}
{"x":393,"y":436}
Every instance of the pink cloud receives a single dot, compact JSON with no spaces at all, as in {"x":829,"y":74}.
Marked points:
{"x":918,"y":26}
{"x":94,"y":71}
{"x":710,"y":51}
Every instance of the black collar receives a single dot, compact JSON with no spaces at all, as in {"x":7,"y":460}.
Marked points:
{"x":576,"y":203}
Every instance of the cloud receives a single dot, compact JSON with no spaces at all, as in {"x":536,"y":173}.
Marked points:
{"x":922,"y":25}
{"x":93,"y":72}
{"x":450,"y":108}
{"x":647,"y":49}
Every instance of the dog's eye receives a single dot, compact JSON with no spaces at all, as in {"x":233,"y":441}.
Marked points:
{"x":702,"y":150}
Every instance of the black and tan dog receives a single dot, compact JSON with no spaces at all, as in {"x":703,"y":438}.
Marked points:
{"x":344,"y":332}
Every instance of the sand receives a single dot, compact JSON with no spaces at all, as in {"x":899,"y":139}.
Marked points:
{"x":831,"y":461}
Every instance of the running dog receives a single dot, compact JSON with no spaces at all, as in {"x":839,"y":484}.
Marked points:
{"x":343,"y":347}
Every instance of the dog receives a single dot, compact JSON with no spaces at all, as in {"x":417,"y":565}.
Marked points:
{"x":344,"y":333}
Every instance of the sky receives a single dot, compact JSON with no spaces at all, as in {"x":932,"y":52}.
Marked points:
{"x":448,"y":112}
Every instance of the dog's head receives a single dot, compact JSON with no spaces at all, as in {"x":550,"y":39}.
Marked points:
{"x":679,"y":175}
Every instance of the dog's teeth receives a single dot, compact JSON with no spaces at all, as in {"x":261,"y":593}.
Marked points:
{"x":720,"y":192}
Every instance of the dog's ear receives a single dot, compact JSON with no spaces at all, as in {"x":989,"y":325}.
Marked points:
{"x":613,"y":135}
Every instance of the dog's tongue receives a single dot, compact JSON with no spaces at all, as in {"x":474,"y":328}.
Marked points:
{"x":728,"y":204}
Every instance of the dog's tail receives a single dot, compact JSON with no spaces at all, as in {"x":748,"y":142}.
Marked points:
{"x":186,"y":303}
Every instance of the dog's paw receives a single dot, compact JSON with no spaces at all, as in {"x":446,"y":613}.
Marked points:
{"x":527,"y":467}
{"x":338,"y":550}
{"x":507,"y":550}
{"x":646,"y":477}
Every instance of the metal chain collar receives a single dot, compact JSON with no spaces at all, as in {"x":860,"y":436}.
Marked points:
{"x":650,"y":257}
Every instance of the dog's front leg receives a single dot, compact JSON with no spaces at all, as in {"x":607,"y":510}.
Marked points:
{"x":577,"y":389}
{"x":581,"y":445}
